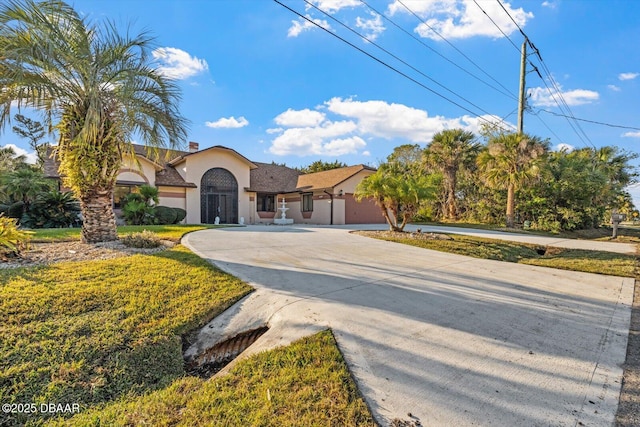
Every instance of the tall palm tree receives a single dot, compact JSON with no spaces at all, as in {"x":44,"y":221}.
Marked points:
{"x":96,"y":88}
{"x":510,"y":161}
{"x":448,"y":152}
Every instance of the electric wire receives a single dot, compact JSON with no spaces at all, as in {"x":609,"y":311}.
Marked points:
{"x":506,"y":93}
{"x":451,"y":44}
{"x":497,"y":26}
{"x":396,"y":57}
{"x":380,"y":61}
{"x":589,"y":121}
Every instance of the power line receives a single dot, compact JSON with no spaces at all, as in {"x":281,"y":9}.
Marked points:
{"x":451,"y":44}
{"x":387,"y":65}
{"x":497,"y":26}
{"x":562,"y":104}
{"x":506,"y":93}
{"x":396,"y":57}
{"x":589,"y":121}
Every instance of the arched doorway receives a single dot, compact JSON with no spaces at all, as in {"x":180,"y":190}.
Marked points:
{"x":218,"y":197}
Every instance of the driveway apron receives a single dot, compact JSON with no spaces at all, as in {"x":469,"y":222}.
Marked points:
{"x":452,"y":340}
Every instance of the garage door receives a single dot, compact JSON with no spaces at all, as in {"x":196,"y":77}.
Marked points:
{"x":364,"y":212}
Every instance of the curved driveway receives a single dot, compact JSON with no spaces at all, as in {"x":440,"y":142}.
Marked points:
{"x":450,"y":339}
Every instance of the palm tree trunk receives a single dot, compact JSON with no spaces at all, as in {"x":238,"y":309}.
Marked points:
{"x":450,"y":185}
{"x":511,"y":205}
{"x":99,"y":221}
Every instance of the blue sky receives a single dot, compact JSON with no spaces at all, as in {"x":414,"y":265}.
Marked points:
{"x":275,"y":87}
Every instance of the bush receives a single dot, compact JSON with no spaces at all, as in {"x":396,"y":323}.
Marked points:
{"x":53,"y":209}
{"x":138,"y":213}
{"x":12,"y":239}
{"x":182,"y":214}
{"x":165,"y":215}
{"x":144,"y":239}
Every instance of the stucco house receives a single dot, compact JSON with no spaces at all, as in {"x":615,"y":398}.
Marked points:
{"x":220,"y":182}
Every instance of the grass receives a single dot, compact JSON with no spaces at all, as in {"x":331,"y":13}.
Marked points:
{"x":565,"y":259}
{"x":304,"y":384}
{"x":166,"y":232}
{"x":107,"y":334}
{"x":92,"y":332}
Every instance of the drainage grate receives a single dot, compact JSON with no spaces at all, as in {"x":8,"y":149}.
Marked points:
{"x":213,"y":359}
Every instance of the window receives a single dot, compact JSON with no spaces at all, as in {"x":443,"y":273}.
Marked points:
{"x":120,"y":192}
{"x":266,"y":202}
{"x":307,"y":202}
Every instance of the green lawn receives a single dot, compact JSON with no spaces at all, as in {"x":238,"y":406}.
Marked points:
{"x":501,"y":250}
{"x":107,"y":335}
{"x":168,"y":232}
{"x":304,"y":384}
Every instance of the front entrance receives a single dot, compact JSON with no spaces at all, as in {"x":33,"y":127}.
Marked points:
{"x":218,"y":197}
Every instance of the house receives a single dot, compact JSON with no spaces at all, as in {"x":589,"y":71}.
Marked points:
{"x":219,"y":182}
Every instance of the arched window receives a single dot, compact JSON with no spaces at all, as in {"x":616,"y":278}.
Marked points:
{"x":218,"y":197}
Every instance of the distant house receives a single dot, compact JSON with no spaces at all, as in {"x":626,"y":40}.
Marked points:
{"x":220,"y":182}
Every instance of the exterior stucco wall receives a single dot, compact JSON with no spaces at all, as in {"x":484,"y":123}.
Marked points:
{"x":194,"y":167}
{"x":132,"y":171}
{"x":173,"y":197}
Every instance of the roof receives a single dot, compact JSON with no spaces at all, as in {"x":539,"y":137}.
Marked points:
{"x":328,"y":179}
{"x":166,"y":175}
{"x":181,"y":158}
{"x":272,"y":178}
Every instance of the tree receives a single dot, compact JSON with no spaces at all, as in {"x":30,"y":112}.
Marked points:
{"x":448,"y":152}
{"x":24,"y":184}
{"x":97,"y":88}
{"x":320,"y":166}
{"x":396,"y":190}
{"x":33,"y":131}
{"x":510,"y":161}
{"x":9,"y":161}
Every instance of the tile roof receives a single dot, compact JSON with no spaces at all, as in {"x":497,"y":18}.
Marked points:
{"x":272,"y":178}
{"x":328,"y":179}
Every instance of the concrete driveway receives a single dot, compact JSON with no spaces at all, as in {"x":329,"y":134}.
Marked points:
{"x":450,"y":339}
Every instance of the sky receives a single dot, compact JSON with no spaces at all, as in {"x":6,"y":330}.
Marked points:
{"x":283,"y":87}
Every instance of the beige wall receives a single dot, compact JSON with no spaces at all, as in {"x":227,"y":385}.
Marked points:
{"x":194,"y":166}
{"x":174,"y":197}
{"x":134,"y":171}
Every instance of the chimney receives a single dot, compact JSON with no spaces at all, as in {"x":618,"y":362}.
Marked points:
{"x":193,"y":146}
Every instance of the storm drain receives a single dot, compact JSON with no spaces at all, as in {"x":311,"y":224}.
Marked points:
{"x":213,"y":359}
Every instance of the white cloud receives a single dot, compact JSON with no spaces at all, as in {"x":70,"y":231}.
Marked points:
{"x":459,"y":19}
{"x":542,"y":97}
{"x":228,"y":123}
{"x":30,"y":156}
{"x":614,"y":88}
{"x":564,"y":147}
{"x":178,"y":64}
{"x":631,"y":134}
{"x":310,"y":132}
{"x":628,"y":76}
{"x":333,"y":6}
{"x":549,"y":4}
{"x":319,"y":140}
{"x":302,"y":25}
{"x":373,"y":27}
{"x":299,"y":118}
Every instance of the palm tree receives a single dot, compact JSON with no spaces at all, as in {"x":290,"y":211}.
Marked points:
{"x":24,"y":184}
{"x":448,"y":152}
{"x":96,"y":88}
{"x":509,"y":162}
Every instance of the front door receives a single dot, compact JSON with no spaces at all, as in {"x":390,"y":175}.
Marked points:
{"x":219,"y":197}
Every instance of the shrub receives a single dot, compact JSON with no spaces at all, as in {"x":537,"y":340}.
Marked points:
{"x":12,"y":239}
{"x":165,"y":215}
{"x":53,"y":209}
{"x":144,"y":239}
{"x":138,"y":213}
{"x":182,"y":214}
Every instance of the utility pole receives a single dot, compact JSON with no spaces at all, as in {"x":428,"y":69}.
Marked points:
{"x":521,"y":98}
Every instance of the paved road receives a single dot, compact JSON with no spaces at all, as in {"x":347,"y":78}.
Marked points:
{"x":450,"y":339}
